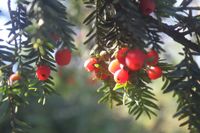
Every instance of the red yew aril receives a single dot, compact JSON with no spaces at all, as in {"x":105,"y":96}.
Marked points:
{"x":114,"y":66}
{"x":121,"y":54}
{"x":43,"y":72}
{"x":14,"y":77}
{"x":154,"y":72}
{"x":90,"y":64}
{"x":101,"y":75}
{"x":102,"y":71}
{"x":147,"y":6}
{"x":135,"y":59}
{"x":152,"y":58}
{"x":121,"y":76}
{"x":63,"y":57}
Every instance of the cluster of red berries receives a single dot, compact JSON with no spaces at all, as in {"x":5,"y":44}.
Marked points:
{"x":126,"y":62}
{"x":134,"y":60}
{"x":62,"y":58}
{"x":147,"y":6}
{"x":98,"y":66}
{"x":131,"y":60}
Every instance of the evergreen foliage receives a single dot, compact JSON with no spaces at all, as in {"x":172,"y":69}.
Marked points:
{"x":38,"y":28}
{"x":115,"y":24}
{"x":33,"y":27}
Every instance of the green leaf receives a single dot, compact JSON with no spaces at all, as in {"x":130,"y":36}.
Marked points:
{"x":103,"y":87}
{"x":104,"y":99}
{"x":139,"y":114}
{"x":22,"y":123}
{"x":119,"y":86}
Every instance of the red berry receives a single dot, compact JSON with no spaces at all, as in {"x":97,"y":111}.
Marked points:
{"x":121,"y":76}
{"x":63,"y":57}
{"x":90,"y":64}
{"x":101,"y":75}
{"x":152,"y":58}
{"x":147,"y":6}
{"x":114,"y":66}
{"x":154,"y":72}
{"x":135,"y":59}
{"x":121,"y":54}
{"x":14,"y":77}
{"x":101,"y":72}
{"x":43,"y":72}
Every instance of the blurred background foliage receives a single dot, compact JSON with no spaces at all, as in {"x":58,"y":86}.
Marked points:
{"x":75,"y":108}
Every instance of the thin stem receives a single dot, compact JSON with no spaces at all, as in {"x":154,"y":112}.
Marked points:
{"x":188,"y":8}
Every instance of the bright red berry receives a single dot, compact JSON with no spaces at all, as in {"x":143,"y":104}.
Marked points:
{"x":152,"y":58}
{"x":114,"y":66}
{"x":135,"y":59}
{"x":121,"y":76}
{"x":121,"y":54}
{"x":154,"y":72}
{"x":43,"y":72}
{"x":147,"y":6}
{"x":90,"y":64}
{"x":63,"y":56}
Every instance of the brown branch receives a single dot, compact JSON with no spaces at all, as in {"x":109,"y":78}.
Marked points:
{"x":175,"y":35}
{"x":187,"y":8}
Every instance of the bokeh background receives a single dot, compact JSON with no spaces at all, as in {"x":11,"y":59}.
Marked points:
{"x":75,"y":110}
